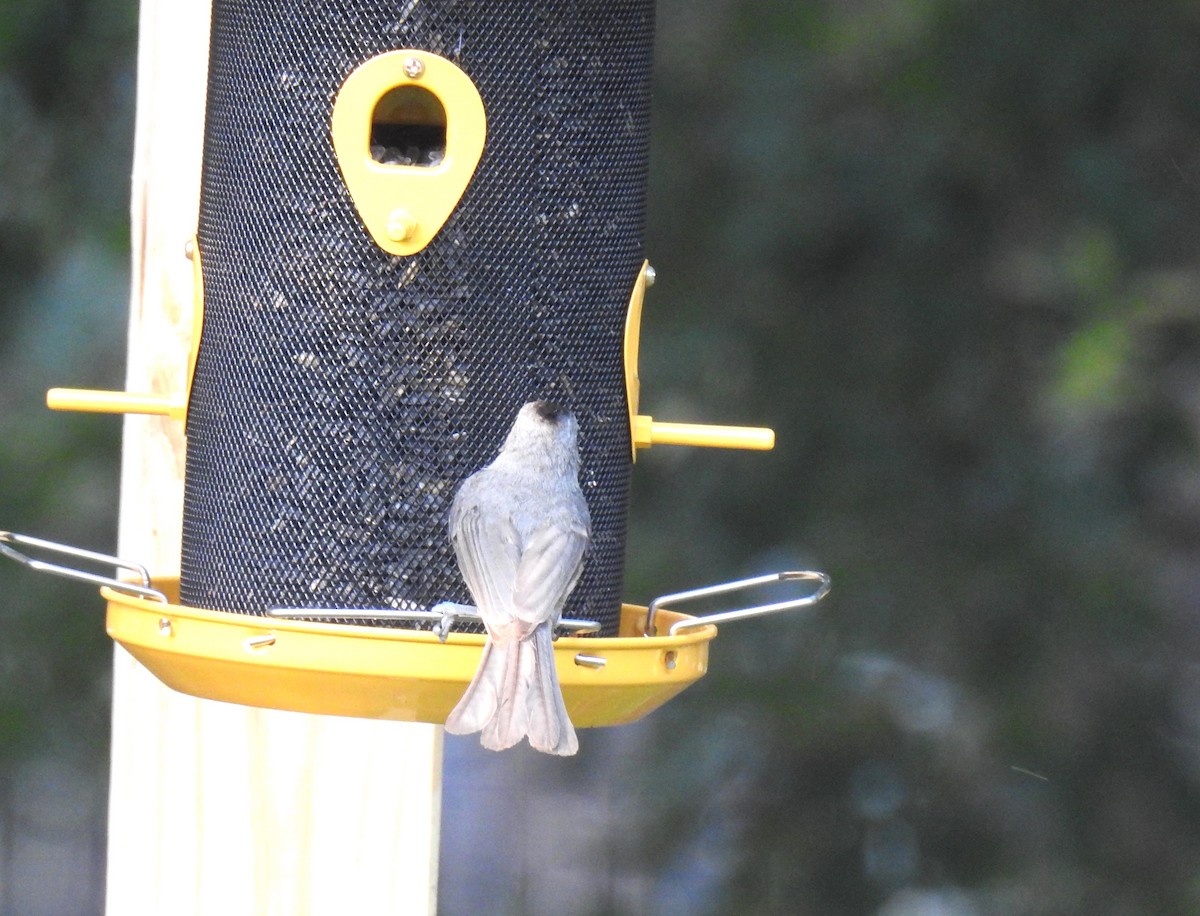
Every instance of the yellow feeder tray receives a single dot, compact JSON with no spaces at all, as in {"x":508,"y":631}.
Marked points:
{"x":374,"y":672}
{"x":384,"y":672}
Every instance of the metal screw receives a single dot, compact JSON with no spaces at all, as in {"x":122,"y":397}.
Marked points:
{"x":413,"y":68}
{"x":189,"y":249}
{"x":401,"y":225}
{"x":164,"y":626}
{"x":651,"y":275}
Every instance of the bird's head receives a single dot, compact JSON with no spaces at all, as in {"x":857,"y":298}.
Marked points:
{"x":543,"y":428}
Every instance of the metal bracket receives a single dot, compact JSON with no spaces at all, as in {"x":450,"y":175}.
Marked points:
{"x":739,"y":613}
{"x":442,"y":616}
{"x":8,"y":546}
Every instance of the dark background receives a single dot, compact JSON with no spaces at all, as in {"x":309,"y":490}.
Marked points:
{"x":948,"y":251}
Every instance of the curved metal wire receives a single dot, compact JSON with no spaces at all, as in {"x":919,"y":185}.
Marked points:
{"x":738,"y":613}
{"x":9,"y":541}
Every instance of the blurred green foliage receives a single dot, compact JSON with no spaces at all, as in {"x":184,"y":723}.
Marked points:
{"x":66,"y":122}
{"x":946,"y":249}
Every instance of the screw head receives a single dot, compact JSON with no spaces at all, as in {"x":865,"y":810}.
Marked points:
{"x":651,"y":275}
{"x":414,"y":67}
{"x":401,"y":225}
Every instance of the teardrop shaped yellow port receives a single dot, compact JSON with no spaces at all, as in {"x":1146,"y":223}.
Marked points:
{"x":408,"y":131}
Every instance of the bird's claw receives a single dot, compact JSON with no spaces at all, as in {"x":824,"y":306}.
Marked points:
{"x":450,"y":612}
{"x":442,"y":627}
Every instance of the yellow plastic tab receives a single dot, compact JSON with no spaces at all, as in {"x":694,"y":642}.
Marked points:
{"x":91,"y":401}
{"x":633,"y":342}
{"x":193,"y":252}
{"x":388,"y":672}
{"x":433,"y":113}
{"x":646,"y":431}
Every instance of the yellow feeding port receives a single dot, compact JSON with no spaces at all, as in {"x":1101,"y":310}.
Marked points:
{"x":91,"y":401}
{"x":645,"y":431}
{"x":408,"y":131}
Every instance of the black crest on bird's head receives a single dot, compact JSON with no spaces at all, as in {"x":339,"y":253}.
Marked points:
{"x":549,"y":411}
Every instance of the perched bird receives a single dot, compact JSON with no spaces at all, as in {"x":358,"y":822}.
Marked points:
{"x":520,"y":528}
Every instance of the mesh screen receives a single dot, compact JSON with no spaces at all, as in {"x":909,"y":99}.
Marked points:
{"x":341,"y":394}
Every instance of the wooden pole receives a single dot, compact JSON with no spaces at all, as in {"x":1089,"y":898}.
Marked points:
{"x":216,"y":808}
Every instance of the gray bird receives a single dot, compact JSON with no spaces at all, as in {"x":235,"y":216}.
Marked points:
{"x":520,"y":528}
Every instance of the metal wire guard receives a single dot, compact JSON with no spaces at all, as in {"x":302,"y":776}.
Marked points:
{"x":739,"y":613}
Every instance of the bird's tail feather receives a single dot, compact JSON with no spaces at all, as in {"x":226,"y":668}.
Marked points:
{"x":482,"y":696}
{"x":514,"y":694}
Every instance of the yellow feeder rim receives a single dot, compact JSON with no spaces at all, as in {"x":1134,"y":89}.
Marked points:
{"x":384,"y":672}
{"x":308,"y":665}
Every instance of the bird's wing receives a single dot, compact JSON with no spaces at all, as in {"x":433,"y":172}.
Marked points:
{"x":550,"y":566}
{"x":488,"y":552}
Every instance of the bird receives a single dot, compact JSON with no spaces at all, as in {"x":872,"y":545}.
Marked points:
{"x":520,"y":529}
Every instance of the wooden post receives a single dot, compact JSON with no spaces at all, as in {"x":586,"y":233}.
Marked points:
{"x":216,"y":808}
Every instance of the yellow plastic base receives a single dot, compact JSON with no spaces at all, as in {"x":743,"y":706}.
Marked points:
{"x":384,"y":672}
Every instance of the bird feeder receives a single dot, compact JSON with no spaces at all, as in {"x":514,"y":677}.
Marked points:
{"x":413,"y":218}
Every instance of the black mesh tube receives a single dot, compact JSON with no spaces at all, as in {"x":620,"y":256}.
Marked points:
{"x":341,"y":394}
